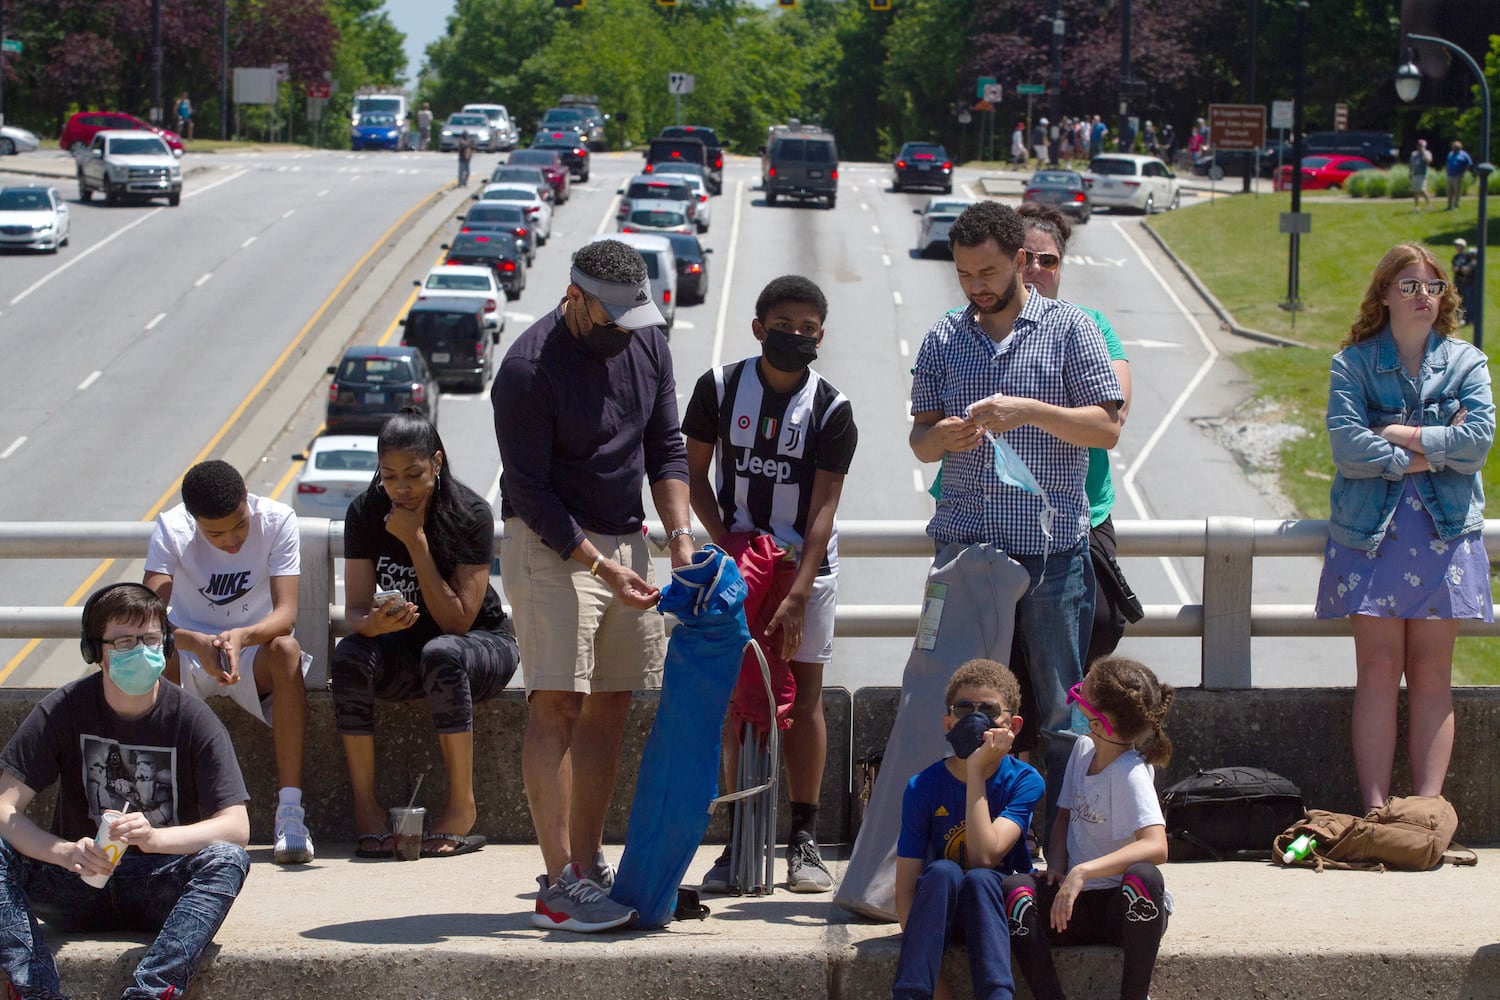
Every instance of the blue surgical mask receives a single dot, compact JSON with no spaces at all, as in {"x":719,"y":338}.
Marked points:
{"x":136,"y":671}
{"x":1010,"y":469}
{"x":967,"y":734}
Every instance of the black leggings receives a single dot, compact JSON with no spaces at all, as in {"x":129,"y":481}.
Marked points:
{"x":453,"y":672}
{"x":1132,"y":916}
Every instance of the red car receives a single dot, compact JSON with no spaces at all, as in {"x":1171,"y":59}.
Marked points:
{"x":553,"y":167}
{"x":1319,"y":173}
{"x":80,"y":129}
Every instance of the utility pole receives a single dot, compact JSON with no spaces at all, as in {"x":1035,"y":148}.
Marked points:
{"x":1295,"y":224}
{"x":1059,"y":26}
{"x":1125,"y":80}
{"x":1253,"y":159}
{"x":2,"y":64}
{"x":223,"y":69}
{"x":156,"y":115}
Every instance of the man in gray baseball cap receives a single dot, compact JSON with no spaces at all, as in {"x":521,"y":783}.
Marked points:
{"x":585,"y":411}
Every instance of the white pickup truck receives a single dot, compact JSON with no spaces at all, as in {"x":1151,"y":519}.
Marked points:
{"x":129,"y":164}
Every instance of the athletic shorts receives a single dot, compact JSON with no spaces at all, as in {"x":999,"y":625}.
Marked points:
{"x":574,"y":634}
{"x":817,"y":626}
{"x":198,"y":681}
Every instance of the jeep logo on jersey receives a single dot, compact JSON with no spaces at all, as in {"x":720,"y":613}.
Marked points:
{"x":781,"y":472}
{"x":225,"y":587}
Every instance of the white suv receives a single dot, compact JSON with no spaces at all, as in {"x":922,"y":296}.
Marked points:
{"x":129,"y":164}
{"x":1126,"y":180}
{"x":506,"y":136}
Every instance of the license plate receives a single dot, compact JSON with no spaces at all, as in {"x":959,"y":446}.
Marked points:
{"x":375,"y":398}
{"x":439,"y":359}
{"x":924,"y":166}
{"x":815,"y":174}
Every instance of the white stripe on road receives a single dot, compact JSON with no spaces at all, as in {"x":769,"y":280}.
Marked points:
{"x":896,"y":297}
{"x":905,"y":348}
{"x":875,"y":230}
{"x":14,"y":445}
{"x":203,"y":280}
{"x":916,"y":481}
{"x":734,"y":243}
{"x":155,"y":320}
{"x":288,"y":213}
{"x":885,"y":259}
{"x":247,"y":242}
{"x":94,"y":377}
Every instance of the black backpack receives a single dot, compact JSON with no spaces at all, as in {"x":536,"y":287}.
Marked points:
{"x":1229,"y":814}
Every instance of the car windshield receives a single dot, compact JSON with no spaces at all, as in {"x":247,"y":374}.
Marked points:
{"x":685,"y":247}
{"x":480,"y":244}
{"x":804,"y":151}
{"x":950,"y":207}
{"x":705,"y":135}
{"x":23,"y":201}
{"x":378,"y":121}
{"x":346,"y":461}
{"x":1314,"y":162}
{"x":562,"y":116}
{"x":1107,"y":165}
{"x":658,"y":218}
{"x":509,"y":194}
{"x":679,"y":167}
{"x":391,"y":105}
{"x":505,"y":173}
{"x":524,"y":156}
{"x":448,"y":281}
{"x":143,"y":146}
{"x":927,"y":152}
{"x":496,"y":213}
{"x":1055,"y":178}
{"x":671,"y":192}
{"x":468,"y":120}
{"x":387,"y":371}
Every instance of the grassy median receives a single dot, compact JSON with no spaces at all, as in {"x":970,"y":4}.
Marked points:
{"x":1235,"y":246}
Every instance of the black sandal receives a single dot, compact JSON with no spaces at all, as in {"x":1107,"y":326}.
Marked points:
{"x":385,"y":845}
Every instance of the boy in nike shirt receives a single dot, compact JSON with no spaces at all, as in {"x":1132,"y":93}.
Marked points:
{"x":228,"y":563}
{"x":783,"y":438}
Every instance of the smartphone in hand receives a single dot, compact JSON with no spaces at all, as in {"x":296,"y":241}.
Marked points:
{"x":389,"y":600}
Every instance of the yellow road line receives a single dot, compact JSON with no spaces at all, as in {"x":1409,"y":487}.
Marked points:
{"x":239,"y":411}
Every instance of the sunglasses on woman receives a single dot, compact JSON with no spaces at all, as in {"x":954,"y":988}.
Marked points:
{"x":1408,"y":287}
{"x":1045,"y":261}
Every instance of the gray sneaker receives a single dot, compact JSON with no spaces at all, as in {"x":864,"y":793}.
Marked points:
{"x":573,"y":903}
{"x":805,"y":871}
{"x":601,"y":874}
{"x":719,"y":878}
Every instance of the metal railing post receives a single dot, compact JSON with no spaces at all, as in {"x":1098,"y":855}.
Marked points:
{"x":1228,"y":581}
{"x":314,"y":596}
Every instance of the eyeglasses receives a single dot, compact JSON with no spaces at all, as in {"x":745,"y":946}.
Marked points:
{"x":1045,"y":261}
{"x":126,"y":643}
{"x":991,"y":708}
{"x":1075,"y":696}
{"x":1408,"y":287}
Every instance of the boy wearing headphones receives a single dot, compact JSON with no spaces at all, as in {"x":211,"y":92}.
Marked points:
{"x":179,"y":873}
{"x":228,"y":562}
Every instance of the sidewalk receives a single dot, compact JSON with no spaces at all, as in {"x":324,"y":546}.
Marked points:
{"x":460,"y":929}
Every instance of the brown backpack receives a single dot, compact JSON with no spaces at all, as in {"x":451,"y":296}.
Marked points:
{"x":1406,"y":834}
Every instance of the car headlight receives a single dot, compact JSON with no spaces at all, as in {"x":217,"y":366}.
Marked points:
{"x":176,"y":172}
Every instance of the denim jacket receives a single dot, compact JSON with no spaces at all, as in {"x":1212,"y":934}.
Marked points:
{"x":1368,"y":391}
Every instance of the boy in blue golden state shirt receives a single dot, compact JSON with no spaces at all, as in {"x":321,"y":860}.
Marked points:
{"x":961,"y":833}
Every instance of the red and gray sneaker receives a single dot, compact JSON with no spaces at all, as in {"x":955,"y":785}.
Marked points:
{"x":573,"y":903}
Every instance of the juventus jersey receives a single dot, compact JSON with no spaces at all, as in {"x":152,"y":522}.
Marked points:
{"x":769,"y":447}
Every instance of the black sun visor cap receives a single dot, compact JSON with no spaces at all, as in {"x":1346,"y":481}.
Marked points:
{"x":630,"y":306}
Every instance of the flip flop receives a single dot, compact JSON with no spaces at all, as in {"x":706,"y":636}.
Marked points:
{"x":461,"y":845}
{"x":385,"y":845}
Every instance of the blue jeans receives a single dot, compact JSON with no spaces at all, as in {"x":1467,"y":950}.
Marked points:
{"x":181,"y":898}
{"x":1053,"y":624}
{"x":952,"y":905}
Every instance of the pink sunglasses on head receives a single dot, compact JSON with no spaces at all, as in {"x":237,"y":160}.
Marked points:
{"x":1075,"y":696}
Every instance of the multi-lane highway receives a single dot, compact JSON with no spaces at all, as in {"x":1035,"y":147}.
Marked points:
{"x":165,"y":334}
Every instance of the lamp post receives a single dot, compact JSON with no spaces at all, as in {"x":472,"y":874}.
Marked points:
{"x":1408,"y":84}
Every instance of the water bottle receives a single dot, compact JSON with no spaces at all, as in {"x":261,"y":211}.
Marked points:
{"x":1299,"y":848}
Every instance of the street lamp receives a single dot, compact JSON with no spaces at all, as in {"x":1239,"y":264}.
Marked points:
{"x":1408,"y":84}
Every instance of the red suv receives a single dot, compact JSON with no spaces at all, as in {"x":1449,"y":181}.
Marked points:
{"x":80,"y":129}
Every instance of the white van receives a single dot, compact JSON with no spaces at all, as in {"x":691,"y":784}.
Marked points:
{"x":501,"y":125}
{"x":390,"y":104}
{"x":661,"y":266}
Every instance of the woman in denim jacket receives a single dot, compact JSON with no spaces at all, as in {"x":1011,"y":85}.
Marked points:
{"x":1410,"y":420}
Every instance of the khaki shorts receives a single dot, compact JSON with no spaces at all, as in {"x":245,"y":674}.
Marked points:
{"x":573,"y":633}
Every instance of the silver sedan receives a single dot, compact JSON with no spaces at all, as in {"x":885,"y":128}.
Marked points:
{"x":33,"y":218}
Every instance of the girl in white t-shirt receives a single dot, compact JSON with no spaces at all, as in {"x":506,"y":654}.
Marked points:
{"x":1102,"y":884}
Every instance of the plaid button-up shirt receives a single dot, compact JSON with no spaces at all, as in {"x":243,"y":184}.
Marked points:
{"x":1055,"y":354}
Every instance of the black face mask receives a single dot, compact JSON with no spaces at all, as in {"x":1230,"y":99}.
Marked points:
{"x":604,"y":342}
{"x":967,"y":734}
{"x":789,"y":352}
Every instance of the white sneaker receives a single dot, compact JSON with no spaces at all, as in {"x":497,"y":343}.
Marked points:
{"x":294,"y":845}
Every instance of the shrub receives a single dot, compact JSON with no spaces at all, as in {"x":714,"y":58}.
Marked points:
{"x":1495,"y":183}
{"x":1377,"y":183}
{"x":1356,"y":184}
{"x":1400,"y":182}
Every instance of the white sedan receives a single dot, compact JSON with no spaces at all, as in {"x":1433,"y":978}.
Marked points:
{"x":14,"y":139}
{"x":338,"y":468}
{"x":537,"y":210}
{"x":937,"y":217}
{"x":34,"y":218}
{"x":463,"y":282}
{"x":703,"y":215}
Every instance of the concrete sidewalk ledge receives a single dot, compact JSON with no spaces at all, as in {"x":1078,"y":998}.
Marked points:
{"x":459,"y":929}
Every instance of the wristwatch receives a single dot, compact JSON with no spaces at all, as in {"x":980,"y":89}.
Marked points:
{"x":672,"y":537}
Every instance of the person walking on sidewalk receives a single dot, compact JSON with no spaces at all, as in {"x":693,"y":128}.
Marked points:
{"x":465,"y":154}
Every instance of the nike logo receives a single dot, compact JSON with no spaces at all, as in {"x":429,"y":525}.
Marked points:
{"x":226,"y":587}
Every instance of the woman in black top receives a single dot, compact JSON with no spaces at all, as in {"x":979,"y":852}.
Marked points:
{"x":420,"y":532}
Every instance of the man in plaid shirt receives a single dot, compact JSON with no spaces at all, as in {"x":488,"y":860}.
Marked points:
{"x":1035,"y":371}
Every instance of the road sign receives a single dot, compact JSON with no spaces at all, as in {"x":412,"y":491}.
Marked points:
{"x":983,"y":106}
{"x":12,"y":45}
{"x":1283,"y":114}
{"x":984,"y":81}
{"x":1236,"y":126}
{"x":679,"y":83}
{"x":319,"y":90}
{"x":994,"y":93}
{"x":1031,"y":88}
{"x":1296,"y":222}
{"x":1340,"y":117}
{"x":315,"y":106}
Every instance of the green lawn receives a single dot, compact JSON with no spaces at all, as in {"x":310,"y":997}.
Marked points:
{"x":1235,"y":246}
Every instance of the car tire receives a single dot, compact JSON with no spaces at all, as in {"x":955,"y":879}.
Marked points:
{"x":511,"y":294}
{"x":7,"y":147}
{"x":174,"y":199}
{"x":770,"y":197}
{"x":895,"y":187}
{"x":85,"y":193}
{"x":832,"y":200}
{"x":1150,"y":205}
{"x":948,"y":189}
{"x":110,"y":197}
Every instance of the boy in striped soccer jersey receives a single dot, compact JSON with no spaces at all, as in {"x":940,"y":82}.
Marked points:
{"x":783,"y":438}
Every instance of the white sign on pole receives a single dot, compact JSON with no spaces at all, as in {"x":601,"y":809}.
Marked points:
{"x":254,"y":85}
{"x":1281,"y":114}
{"x":315,"y":106}
{"x":994,"y":93}
{"x":679,"y":83}
{"x":282,"y":71}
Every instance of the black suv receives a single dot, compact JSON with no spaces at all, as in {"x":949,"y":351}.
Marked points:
{"x":370,"y":384}
{"x":923,"y":164}
{"x":451,"y":334}
{"x":801,"y":164}
{"x":714,"y":168}
{"x":496,"y":250}
{"x":1377,"y":147}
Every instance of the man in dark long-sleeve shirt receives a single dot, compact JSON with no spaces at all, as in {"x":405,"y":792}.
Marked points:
{"x":585,"y":408}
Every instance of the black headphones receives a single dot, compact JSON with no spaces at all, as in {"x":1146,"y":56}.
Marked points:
{"x":92,"y":648}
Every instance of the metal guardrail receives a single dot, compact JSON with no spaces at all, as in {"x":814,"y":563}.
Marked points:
{"x":1226,"y":620}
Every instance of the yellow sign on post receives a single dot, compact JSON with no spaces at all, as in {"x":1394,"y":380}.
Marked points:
{"x":880,"y":4}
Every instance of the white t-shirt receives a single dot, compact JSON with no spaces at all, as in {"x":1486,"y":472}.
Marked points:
{"x":213,"y":590}
{"x":1105,"y":809}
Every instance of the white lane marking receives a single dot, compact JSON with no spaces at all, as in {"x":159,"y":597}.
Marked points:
{"x":14,"y":447}
{"x":247,"y":242}
{"x":608,"y":221}
{"x":1165,"y":424}
{"x":116,"y":235}
{"x":734,"y":243}
{"x":494,"y":490}
{"x":93,"y":377}
{"x":875,"y":230}
{"x":203,"y":280}
{"x":322,"y":192}
{"x":288,"y":213}
{"x":905,"y":348}
{"x":155,"y":320}
{"x":896,"y":297}
{"x":1151,"y":343}
{"x":916,"y":481}
{"x":521,"y":317}
{"x":682,"y":324}
{"x":864,"y":206}
{"x":885,"y":259}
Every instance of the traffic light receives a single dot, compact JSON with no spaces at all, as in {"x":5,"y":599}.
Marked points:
{"x":880,"y":4}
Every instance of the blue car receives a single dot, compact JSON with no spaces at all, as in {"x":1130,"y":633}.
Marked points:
{"x":377,"y":130}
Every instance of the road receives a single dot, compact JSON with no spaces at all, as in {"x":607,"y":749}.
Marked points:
{"x":164,"y":334}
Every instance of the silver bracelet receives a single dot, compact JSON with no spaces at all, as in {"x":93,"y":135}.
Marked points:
{"x":672,"y":537}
